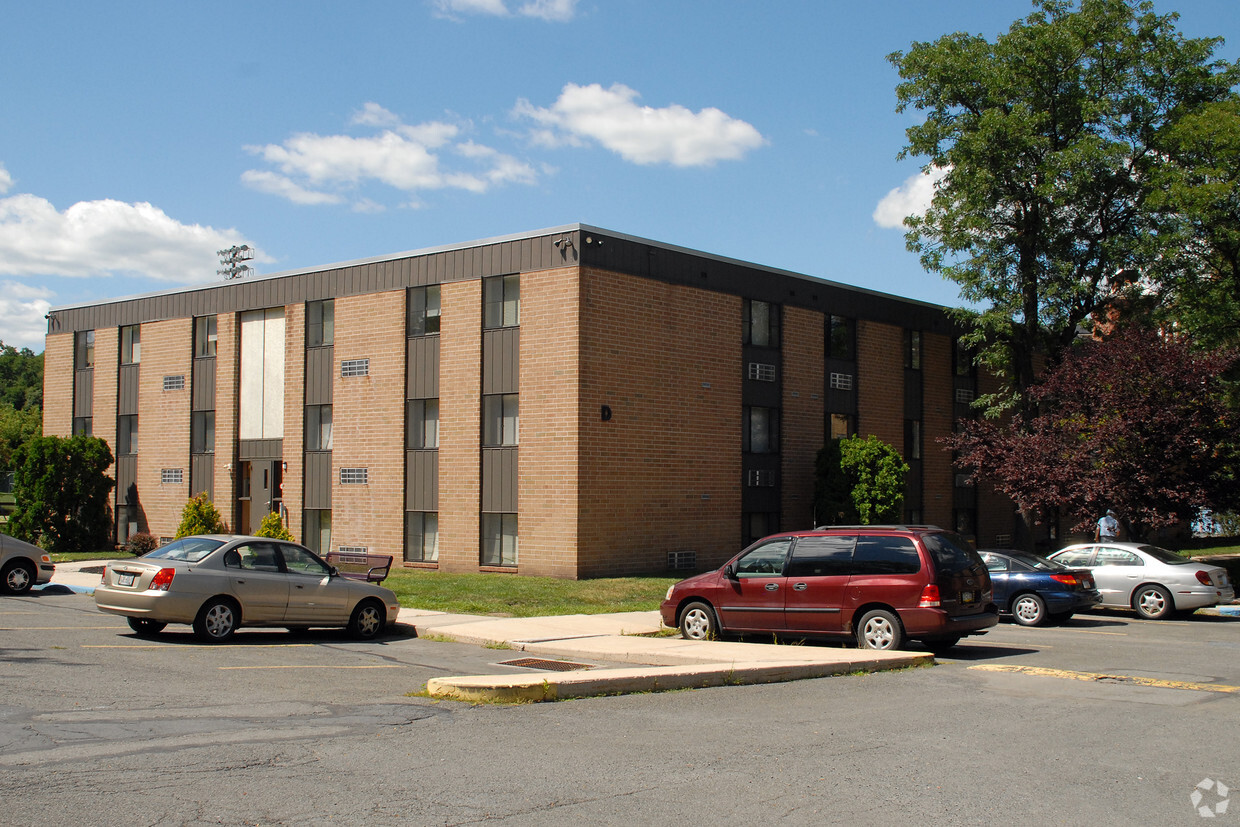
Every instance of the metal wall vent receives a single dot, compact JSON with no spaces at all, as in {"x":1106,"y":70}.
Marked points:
{"x":761,"y":372}
{"x":841,"y":381}
{"x":174,"y":383}
{"x":964,"y":396}
{"x":354,"y":367}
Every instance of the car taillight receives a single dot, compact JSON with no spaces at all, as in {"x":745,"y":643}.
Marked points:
{"x":1066,"y":579}
{"x":162,"y":580}
{"x":1204,"y":577}
{"x":929,"y":597}
{"x":104,"y":578}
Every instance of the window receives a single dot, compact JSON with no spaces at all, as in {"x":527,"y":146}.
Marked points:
{"x":354,"y":476}
{"x":499,"y":420}
{"x":204,"y":337}
{"x":82,"y":426}
{"x":963,"y":357}
{"x":354,"y":367}
{"x":423,"y":310}
{"x":886,"y":555}
{"x":912,"y":439}
{"x":767,"y":560}
{"x":822,"y":556}
{"x":499,"y":539}
{"x":841,"y":338}
{"x":422,"y":423}
{"x":320,"y":323}
{"x":761,"y":320}
{"x":501,"y":301}
{"x":762,"y":430}
{"x":131,"y":344}
{"x":127,"y":434}
{"x":297,"y":561}
{"x":1117,"y":557}
{"x":422,"y":537}
{"x":758,"y":524}
{"x":912,"y":349}
{"x":84,"y":350}
{"x":318,"y":530}
{"x":202,"y":432}
{"x":318,"y":427}
{"x":841,"y":426}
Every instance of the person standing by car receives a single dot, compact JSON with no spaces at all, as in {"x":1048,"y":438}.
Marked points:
{"x":1108,"y":528}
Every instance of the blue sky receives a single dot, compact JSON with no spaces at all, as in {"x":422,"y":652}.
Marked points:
{"x":138,"y":138}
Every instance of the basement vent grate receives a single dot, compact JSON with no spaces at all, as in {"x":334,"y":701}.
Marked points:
{"x":678,"y":560}
{"x":545,"y":665}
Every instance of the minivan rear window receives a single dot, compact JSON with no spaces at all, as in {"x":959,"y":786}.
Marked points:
{"x":886,"y":555}
{"x":952,"y":553}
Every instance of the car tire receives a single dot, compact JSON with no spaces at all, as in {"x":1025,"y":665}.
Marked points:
{"x":698,"y":622}
{"x":881,"y":630}
{"x":367,"y":620}
{"x":941,"y":646}
{"x":1153,"y":602}
{"x":1028,"y":609}
{"x":145,"y":627}
{"x":18,"y":577}
{"x":217,"y":620}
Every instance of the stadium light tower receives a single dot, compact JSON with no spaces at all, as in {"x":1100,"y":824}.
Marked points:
{"x":232,"y":258}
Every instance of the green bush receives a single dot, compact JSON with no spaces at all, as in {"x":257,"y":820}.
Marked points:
{"x":273,"y":526}
{"x":200,"y":516}
{"x":61,"y":487}
{"x":141,"y":543}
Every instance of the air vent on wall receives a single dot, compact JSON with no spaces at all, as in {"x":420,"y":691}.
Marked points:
{"x":680,"y":560}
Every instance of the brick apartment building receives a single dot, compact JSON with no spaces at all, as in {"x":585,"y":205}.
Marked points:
{"x":571,"y":402}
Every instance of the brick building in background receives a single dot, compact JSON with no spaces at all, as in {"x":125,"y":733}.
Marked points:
{"x":571,"y":402}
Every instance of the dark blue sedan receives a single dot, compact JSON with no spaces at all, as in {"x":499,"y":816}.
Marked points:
{"x":1034,"y":590}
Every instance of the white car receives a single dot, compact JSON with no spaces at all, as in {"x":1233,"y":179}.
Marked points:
{"x":1150,"y":580}
{"x":22,"y":566}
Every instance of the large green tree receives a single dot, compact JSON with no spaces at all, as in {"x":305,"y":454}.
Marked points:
{"x":1050,"y":140}
{"x":62,"y":491}
{"x":859,"y":481}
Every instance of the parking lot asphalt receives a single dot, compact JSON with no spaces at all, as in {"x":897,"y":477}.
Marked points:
{"x":561,"y":648}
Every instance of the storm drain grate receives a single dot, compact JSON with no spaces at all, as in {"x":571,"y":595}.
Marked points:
{"x":547,"y":665}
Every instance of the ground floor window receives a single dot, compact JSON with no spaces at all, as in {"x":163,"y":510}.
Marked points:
{"x":758,"y":524}
{"x":421,"y":537}
{"x":499,"y":539}
{"x":318,"y":532}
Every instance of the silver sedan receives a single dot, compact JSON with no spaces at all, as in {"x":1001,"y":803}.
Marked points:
{"x":1150,"y":580}
{"x":219,"y":583}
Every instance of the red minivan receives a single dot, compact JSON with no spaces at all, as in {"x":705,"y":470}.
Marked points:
{"x":878,"y":585}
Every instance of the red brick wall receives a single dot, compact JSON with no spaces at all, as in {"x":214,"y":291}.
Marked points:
{"x":803,"y":413}
{"x":368,"y":415}
{"x":460,"y":389}
{"x":880,"y":382}
{"x":163,"y":422}
{"x":664,"y":473}
{"x":550,"y":424}
{"x":103,"y":406}
{"x":58,"y":384}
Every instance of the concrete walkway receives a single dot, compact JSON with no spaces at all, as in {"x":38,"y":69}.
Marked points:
{"x":579,"y":642}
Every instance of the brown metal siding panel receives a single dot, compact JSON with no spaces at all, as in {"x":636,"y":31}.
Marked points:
{"x":499,"y":480}
{"x":422,"y":364}
{"x":83,"y":392}
{"x":250,"y":449}
{"x":318,"y":490}
{"x":127,"y":390}
{"x":202,"y":474}
{"x":320,"y":362}
{"x":500,"y":360}
{"x":422,"y":481}
{"x":203,"y":385}
{"x":126,"y":477}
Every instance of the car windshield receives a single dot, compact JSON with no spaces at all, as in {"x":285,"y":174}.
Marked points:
{"x":1035,"y":562}
{"x":187,"y":549}
{"x":952,"y":553}
{"x":1164,"y":556}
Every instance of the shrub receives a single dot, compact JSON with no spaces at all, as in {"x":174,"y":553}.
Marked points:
{"x":200,"y":516}
{"x":273,"y":526}
{"x":141,"y":543}
{"x":61,"y":487}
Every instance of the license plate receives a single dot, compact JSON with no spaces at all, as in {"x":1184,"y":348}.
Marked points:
{"x":1087,"y":584}
{"x":966,"y":597}
{"x":124,"y":579}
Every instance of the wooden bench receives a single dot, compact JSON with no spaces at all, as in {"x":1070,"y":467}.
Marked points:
{"x":372,"y":568}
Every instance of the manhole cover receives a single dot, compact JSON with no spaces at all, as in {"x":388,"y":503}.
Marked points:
{"x":547,"y":665}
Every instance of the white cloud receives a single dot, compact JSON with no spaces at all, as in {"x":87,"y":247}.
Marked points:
{"x":22,"y":311}
{"x":913,"y":197}
{"x":554,"y":11}
{"x":6,"y":180}
{"x":324,"y":169}
{"x":95,"y":238}
{"x":641,"y":134}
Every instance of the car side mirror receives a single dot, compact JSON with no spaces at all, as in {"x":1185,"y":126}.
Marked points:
{"x":332,"y":571}
{"x":729,"y":571}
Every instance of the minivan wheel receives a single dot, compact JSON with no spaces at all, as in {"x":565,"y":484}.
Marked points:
{"x":879,"y":629}
{"x":1152,"y":602}
{"x":1029,"y":610}
{"x":697,"y":622}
